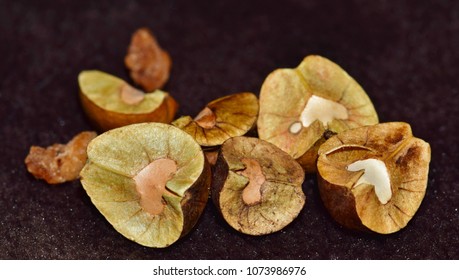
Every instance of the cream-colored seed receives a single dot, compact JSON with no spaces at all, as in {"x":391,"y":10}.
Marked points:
{"x":376,"y":174}
{"x":322,"y":109}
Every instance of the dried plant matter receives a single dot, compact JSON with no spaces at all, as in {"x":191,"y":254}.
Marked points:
{"x":148,"y":63}
{"x":150,"y":181}
{"x":375,"y":177}
{"x":110,"y":102}
{"x":59,"y":163}
{"x":256,"y":186}
{"x":226,"y":117}
{"x":297,"y":106}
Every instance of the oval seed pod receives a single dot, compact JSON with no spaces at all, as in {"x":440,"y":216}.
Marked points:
{"x":110,"y":102}
{"x":374,"y":178}
{"x":150,"y":181}
{"x":226,"y":117}
{"x":297,"y":106}
{"x":256,"y":186}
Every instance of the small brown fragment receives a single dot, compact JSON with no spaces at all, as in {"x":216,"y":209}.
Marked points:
{"x":206,"y":118}
{"x":148,"y":63}
{"x":59,"y":163}
{"x":211,"y":156}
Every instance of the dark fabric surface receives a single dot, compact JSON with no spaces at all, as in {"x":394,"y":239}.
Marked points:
{"x":404,"y":54}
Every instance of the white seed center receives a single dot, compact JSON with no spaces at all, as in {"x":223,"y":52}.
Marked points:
{"x":375,"y":173}
{"x":322,"y":109}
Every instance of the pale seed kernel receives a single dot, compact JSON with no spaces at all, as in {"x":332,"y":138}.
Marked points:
{"x":251,"y":194}
{"x":130,"y":95}
{"x":322,"y":109}
{"x":151,"y":184}
{"x":376,"y":174}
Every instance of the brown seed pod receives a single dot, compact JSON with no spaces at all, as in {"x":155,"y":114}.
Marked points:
{"x":297,"y":106}
{"x":256,"y":186}
{"x":226,"y":117}
{"x":374,"y":178}
{"x":150,"y":181}
{"x":59,"y":163}
{"x":148,"y":63}
{"x":110,"y":102}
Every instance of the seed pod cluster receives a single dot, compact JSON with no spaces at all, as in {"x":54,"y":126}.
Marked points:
{"x":149,"y":175}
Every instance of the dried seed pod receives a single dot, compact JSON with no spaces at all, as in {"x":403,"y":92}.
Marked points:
{"x":149,"y":180}
{"x":374,"y":178}
{"x":148,"y":63}
{"x":256,"y":186}
{"x":59,"y":163}
{"x":226,"y":117}
{"x":297,"y":106}
{"x":110,"y":102}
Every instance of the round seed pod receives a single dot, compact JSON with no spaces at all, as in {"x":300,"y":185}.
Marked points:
{"x":300,"y":107}
{"x":374,"y":178}
{"x":256,"y":186}
{"x":150,"y":181}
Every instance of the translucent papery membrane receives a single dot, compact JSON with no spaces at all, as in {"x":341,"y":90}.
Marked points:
{"x":130,"y":220}
{"x":284,"y":93}
{"x":213,"y":136}
{"x":127,"y":150}
{"x":106,"y":186}
{"x":120,"y":152}
{"x":325,"y":78}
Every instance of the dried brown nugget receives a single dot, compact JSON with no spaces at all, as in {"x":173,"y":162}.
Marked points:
{"x":148,"y":63}
{"x":59,"y":163}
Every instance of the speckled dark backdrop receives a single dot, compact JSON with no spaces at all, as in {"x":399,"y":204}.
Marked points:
{"x":404,"y":54}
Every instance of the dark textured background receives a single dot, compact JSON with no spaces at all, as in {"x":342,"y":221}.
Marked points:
{"x":404,"y":54}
